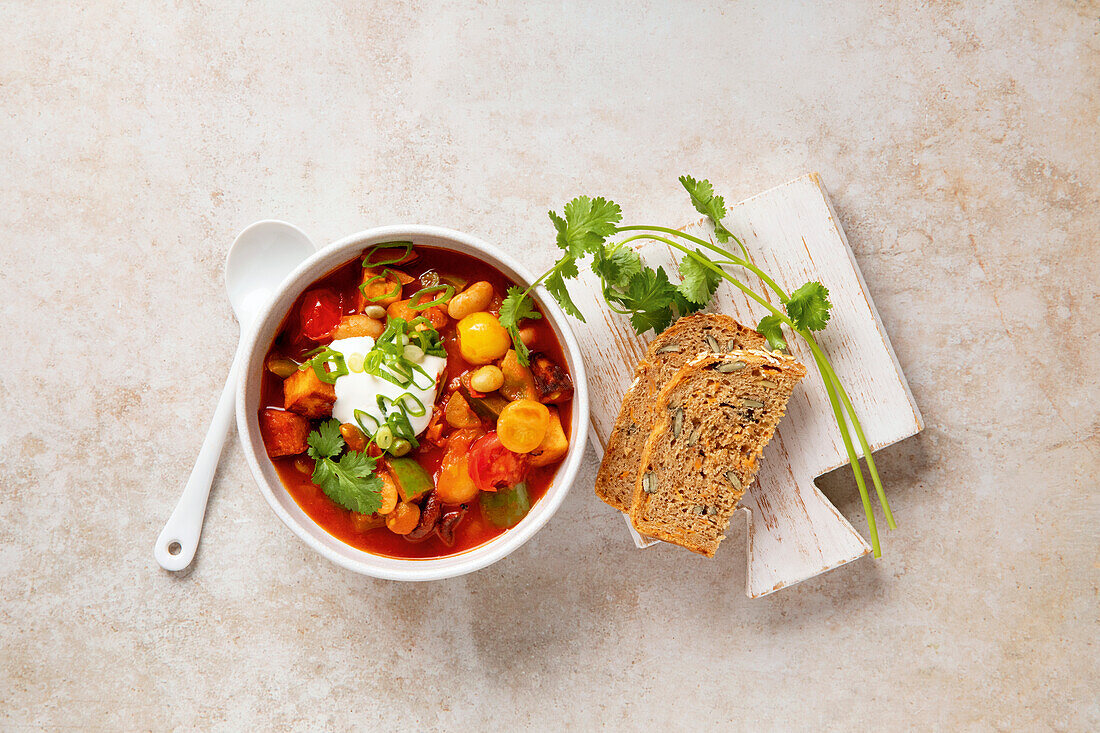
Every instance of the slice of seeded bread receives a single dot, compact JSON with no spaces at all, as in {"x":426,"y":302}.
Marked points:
{"x":674,"y":347}
{"x":713,"y":419}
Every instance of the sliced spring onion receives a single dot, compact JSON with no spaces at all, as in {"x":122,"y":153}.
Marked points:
{"x":400,"y":403}
{"x":398,"y":421}
{"x":395,"y":293}
{"x":359,"y":415}
{"x":428,"y":339}
{"x":373,"y":360}
{"x":404,"y":428}
{"x":420,"y":370}
{"x":415,"y":301}
{"x":384,"y":437}
{"x":326,"y":355}
{"x":355,"y":362}
{"x":406,"y":250}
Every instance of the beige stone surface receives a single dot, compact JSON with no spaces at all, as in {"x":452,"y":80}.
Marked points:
{"x":959,"y":141}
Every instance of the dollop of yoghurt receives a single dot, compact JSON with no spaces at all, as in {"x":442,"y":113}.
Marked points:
{"x":358,"y":390}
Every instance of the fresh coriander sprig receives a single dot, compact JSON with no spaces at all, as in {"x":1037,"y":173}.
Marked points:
{"x":515,"y":308}
{"x":349,"y":481}
{"x":652,"y":301}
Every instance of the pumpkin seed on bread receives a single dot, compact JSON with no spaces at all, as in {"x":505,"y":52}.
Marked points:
{"x":712,"y":421}
{"x":671,"y":350}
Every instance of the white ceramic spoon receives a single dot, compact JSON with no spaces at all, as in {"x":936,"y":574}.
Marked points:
{"x":259,"y":260}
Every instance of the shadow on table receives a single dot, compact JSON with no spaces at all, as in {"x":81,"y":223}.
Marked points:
{"x":581,"y":589}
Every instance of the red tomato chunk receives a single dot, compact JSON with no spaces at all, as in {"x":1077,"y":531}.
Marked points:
{"x":492,"y":466}
{"x":320,"y":313}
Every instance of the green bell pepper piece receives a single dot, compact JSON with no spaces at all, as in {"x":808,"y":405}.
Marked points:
{"x":506,"y":507}
{"x":412,"y":479}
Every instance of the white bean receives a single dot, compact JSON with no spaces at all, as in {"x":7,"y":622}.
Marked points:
{"x":488,"y":378}
{"x":471,"y":300}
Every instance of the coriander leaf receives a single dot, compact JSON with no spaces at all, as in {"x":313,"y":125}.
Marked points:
{"x":771,"y":327}
{"x":587,"y":222}
{"x":556,"y":285}
{"x":617,"y":266}
{"x":598,"y":215}
{"x":325,"y":441}
{"x":359,"y":494}
{"x":516,"y":307}
{"x":657,"y":320}
{"x":357,"y":464}
{"x":567,"y":267}
{"x":809,"y":306}
{"x":350,"y":482}
{"x":522,"y":352}
{"x":562,"y":228}
{"x":684,"y":306}
{"x":699,"y":281}
{"x":323,"y":472}
{"x":650,"y":296}
{"x":707,"y":204}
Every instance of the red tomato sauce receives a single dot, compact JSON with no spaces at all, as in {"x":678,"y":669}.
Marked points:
{"x":295,"y":471}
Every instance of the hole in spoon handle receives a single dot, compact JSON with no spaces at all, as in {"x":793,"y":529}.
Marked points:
{"x":185,"y":525}
{"x":172,"y":553}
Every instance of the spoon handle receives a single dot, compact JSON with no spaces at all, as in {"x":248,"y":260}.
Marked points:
{"x":181,"y":532}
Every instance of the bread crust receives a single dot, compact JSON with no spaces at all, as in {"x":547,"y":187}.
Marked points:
{"x":659,"y":513}
{"x":618,"y":471}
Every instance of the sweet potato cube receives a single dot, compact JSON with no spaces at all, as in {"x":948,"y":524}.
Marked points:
{"x":554,"y":445}
{"x":378,"y":288}
{"x":284,"y":433}
{"x":305,"y":394}
{"x":403,"y":309}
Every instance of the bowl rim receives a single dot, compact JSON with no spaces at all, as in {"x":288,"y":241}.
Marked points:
{"x":329,"y":257}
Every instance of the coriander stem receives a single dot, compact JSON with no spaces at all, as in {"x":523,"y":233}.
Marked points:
{"x":852,"y":460}
{"x":666,"y":230}
{"x":867,"y":454}
{"x":702,"y":260}
{"x":746,"y":262}
{"x":879,"y":490}
{"x":540,"y":278}
{"x":744,"y":249}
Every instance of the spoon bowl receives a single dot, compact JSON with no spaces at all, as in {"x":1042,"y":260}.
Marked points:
{"x":261,"y":258}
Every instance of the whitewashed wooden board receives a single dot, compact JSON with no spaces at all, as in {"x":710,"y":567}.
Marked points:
{"x":792,"y":233}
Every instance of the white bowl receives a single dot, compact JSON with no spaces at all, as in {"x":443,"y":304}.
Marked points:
{"x":248,"y":401}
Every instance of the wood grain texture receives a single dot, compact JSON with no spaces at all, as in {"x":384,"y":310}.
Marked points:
{"x":792,"y":233}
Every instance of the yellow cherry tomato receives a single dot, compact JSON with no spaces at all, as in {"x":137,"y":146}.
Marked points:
{"x":522,"y":425}
{"x":481,"y":338}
